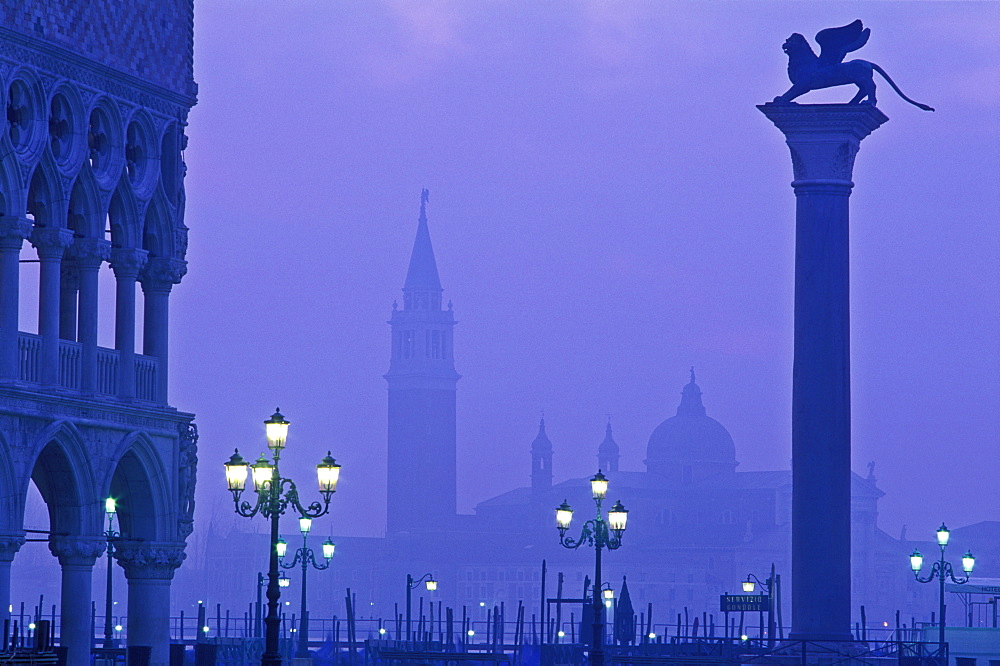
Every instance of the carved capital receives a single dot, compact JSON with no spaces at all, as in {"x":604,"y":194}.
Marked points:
{"x":90,"y":252}
{"x":13,"y":231}
{"x":150,"y":561}
{"x":824,"y":138}
{"x":127,"y":262}
{"x":77,"y":550}
{"x":9,"y":545}
{"x":51,"y":242}
{"x":162,"y":273}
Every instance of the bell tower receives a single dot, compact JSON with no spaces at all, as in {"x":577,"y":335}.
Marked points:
{"x":422,"y":381}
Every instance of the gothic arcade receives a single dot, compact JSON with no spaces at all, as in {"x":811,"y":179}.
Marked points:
{"x":91,"y":174}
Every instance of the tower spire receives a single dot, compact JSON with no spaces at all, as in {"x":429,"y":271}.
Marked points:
{"x":422,"y":274}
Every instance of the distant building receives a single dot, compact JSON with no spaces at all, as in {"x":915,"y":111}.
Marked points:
{"x":697,"y":525}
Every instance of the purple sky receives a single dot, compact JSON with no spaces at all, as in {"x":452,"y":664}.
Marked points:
{"x":608,"y":208}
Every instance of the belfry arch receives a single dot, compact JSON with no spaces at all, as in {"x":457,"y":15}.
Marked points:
{"x":79,"y":421}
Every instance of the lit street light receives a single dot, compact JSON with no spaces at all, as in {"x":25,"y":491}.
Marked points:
{"x":111,"y":535}
{"x":942,"y":570}
{"x":431,"y":585}
{"x":769,"y":589}
{"x":275,"y":495}
{"x":305,"y":557}
{"x":600,"y":534}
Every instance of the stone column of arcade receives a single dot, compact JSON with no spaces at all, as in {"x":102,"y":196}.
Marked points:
{"x":76,"y":556}
{"x":69,"y":290}
{"x":126,"y":263}
{"x":158,"y":277}
{"x":9,"y":545}
{"x":823,"y":139}
{"x":149,"y":568}
{"x":13,"y":231}
{"x":50,"y":245}
{"x":90,"y":255}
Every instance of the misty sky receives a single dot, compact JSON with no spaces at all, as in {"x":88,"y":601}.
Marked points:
{"x":607,"y":208}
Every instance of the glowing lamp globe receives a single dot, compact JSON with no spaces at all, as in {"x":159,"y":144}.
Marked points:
{"x":328,"y":548}
{"x":617,"y":518}
{"x":748,"y":586}
{"x":262,"y":472}
{"x":281,"y":547}
{"x":599,"y":485}
{"x":609,"y":594}
{"x":916,"y":561}
{"x":431,"y":584}
{"x":968,"y":562}
{"x":284,"y":581}
{"x":564,"y":516}
{"x":328,"y":473}
{"x":942,"y":535}
{"x":109,"y":507}
{"x":276,"y":428}
{"x":305,"y":524}
{"x":236,"y":472}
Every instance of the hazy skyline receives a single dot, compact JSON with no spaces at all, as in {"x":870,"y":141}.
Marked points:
{"x":607,"y":209}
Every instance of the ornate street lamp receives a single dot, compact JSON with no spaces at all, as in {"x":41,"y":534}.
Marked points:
{"x":411,"y":584}
{"x":942,"y":570}
{"x":768,"y":588}
{"x":600,"y":534}
{"x":275,"y":495}
{"x":305,"y":557}
{"x":111,"y":509}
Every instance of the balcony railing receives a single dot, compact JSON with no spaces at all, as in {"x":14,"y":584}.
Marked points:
{"x":71,"y":373}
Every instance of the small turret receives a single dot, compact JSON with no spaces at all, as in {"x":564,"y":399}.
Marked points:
{"x":607,"y":452}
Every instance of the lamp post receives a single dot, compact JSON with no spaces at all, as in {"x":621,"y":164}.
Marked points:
{"x":600,"y":534}
{"x":305,"y":557}
{"x":411,"y":584}
{"x":275,"y":495}
{"x":769,"y":588}
{"x":942,"y":570}
{"x":111,"y":535}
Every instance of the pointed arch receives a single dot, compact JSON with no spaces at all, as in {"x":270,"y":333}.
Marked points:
{"x":64,"y":476}
{"x":156,"y":233}
{"x":141,"y":486}
{"x":46,"y":200}
{"x":87,"y":210}
{"x":13,"y":193}
{"x":123,"y":215}
{"x":11,"y":500}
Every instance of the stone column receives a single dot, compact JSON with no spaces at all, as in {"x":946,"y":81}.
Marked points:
{"x":149,"y":568}
{"x":13,"y":231}
{"x":50,"y":244}
{"x":126,"y":263}
{"x":9,"y":545}
{"x":823,"y":139}
{"x":158,"y":277}
{"x":76,"y":556}
{"x":90,"y":254}
{"x":69,"y":287}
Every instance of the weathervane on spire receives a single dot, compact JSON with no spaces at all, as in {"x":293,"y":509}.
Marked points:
{"x":425,"y":196}
{"x":692,"y":374}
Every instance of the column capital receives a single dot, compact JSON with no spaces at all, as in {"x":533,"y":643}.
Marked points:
{"x":51,"y":242}
{"x":77,"y":550}
{"x":126,"y":262}
{"x":13,"y":231}
{"x":9,"y":545}
{"x":90,"y":252}
{"x":162,"y":273}
{"x":150,"y":560}
{"x":823,"y":138}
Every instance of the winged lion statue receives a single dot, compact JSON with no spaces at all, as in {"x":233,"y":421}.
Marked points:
{"x":807,"y":71}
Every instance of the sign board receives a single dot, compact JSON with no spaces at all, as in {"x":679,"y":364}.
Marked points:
{"x":734,"y":603}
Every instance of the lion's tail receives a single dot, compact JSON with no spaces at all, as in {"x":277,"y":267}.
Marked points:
{"x":898,"y":91}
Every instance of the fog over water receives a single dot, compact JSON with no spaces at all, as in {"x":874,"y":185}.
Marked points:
{"x":607,"y":209}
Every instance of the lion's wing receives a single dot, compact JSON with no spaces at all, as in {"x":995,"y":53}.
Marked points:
{"x":835,"y":43}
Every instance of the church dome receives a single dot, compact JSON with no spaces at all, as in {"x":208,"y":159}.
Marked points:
{"x":690,"y":437}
